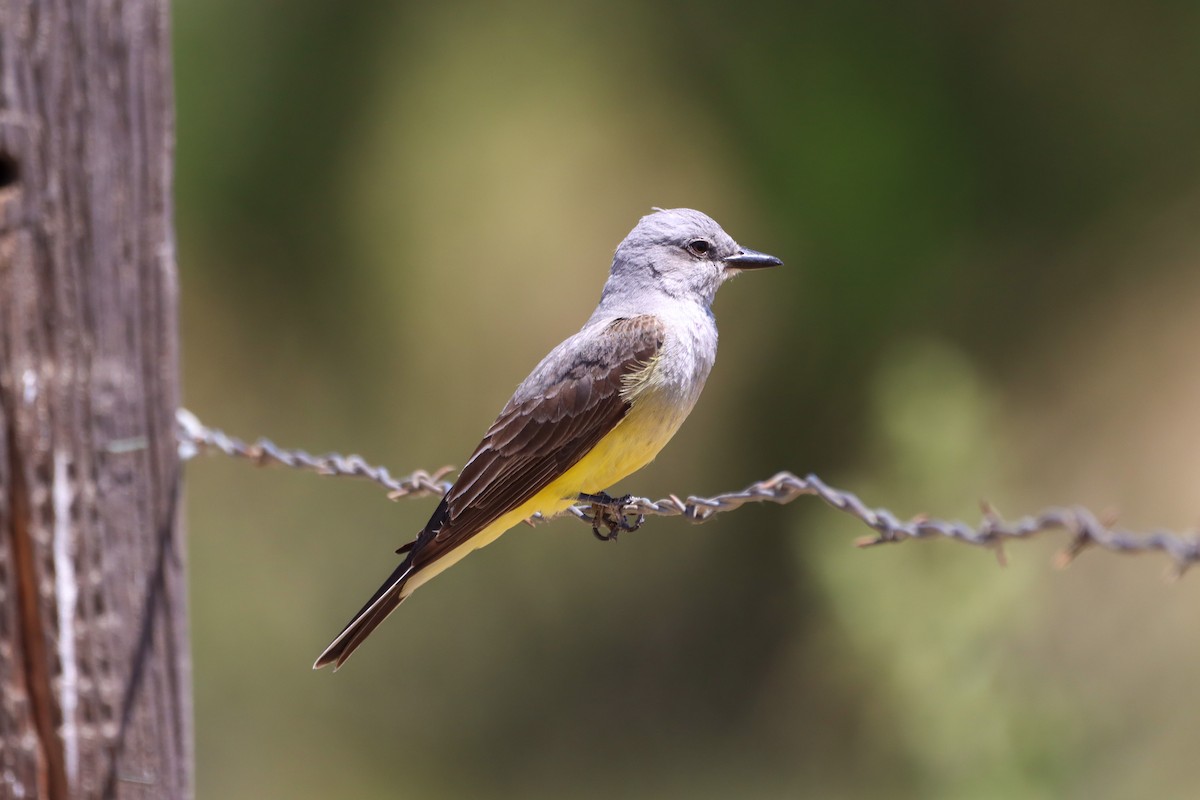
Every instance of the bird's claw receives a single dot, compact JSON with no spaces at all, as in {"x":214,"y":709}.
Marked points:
{"x":609,"y":512}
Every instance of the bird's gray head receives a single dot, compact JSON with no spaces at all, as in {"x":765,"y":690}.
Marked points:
{"x":680,"y":254}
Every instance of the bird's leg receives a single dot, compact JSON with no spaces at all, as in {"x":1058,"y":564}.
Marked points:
{"x":600,"y":510}
{"x":610,"y":512}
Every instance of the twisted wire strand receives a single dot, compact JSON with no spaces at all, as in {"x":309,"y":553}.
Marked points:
{"x":194,"y":437}
{"x":1086,"y":529}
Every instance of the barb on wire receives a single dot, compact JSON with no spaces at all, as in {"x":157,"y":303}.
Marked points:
{"x":1085,"y":528}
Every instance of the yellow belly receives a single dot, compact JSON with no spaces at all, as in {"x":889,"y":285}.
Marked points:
{"x":631,"y":445}
{"x":628,"y":447}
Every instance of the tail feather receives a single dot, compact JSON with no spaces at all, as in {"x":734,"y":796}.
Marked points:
{"x":377,"y":609}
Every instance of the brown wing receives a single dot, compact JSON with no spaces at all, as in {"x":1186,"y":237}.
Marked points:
{"x":536,"y":439}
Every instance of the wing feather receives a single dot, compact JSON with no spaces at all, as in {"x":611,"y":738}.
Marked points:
{"x":535,"y":439}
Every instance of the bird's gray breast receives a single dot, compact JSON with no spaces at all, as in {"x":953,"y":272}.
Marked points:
{"x":688,"y":353}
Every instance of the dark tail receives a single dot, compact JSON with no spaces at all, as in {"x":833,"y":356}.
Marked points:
{"x":374,"y":612}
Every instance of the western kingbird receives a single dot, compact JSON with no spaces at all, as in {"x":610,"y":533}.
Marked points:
{"x":596,"y":409}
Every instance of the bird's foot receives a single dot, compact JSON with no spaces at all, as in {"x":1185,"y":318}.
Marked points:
{"x":609,"y":512}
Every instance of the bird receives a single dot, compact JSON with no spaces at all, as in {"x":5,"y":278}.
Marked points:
{"x":599,"y":407}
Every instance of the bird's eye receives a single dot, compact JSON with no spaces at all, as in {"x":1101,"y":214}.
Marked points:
{"x":699,"y":247}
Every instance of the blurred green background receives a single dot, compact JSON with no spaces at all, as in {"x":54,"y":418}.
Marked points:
{"x":389,"y":211}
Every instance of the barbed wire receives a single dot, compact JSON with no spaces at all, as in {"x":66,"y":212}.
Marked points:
{"x":1085,"y":528}
{"x":194,"y":437}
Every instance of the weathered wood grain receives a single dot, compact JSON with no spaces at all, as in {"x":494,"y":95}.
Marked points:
{"x":94,"y":668}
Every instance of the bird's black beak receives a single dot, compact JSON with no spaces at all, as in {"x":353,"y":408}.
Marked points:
{"x":750,"y":259}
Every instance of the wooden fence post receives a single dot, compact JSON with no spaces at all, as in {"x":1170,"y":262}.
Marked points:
{"x":94,"y":663}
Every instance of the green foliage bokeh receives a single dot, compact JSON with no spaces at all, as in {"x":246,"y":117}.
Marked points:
{"x":388,"y":212}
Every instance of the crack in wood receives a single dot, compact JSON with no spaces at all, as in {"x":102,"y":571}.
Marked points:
{"x":36,"y":667}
